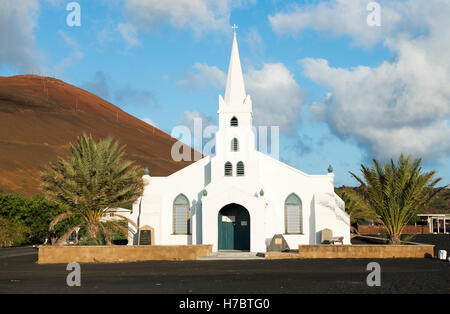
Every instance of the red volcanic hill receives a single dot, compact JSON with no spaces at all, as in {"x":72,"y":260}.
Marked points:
{"x":39,"y":116}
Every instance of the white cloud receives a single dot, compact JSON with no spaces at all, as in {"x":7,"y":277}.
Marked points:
{"x":341,"y":17}
{"x":75,"y":56}
{"x":277,"y":98}
{"x":17,"y":21}
{"x":129,"y":34}
{"x":401,"y":105}
{"x":202,"y":129}
{"x":255,"y":41}
{"x":191,"y":117}
{"x":200,"y":16}
{"x":55,"y":2}
{"x":203,"y":75}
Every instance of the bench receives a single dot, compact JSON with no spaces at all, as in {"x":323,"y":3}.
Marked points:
{"x":335,"y":240}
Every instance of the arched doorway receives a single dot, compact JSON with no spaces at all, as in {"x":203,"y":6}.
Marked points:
{"x":234,"y":228}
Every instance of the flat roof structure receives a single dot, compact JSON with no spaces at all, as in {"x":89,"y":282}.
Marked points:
{"x":432,"y":218}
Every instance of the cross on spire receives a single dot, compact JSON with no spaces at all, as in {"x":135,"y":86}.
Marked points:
{"x":234,"y":27}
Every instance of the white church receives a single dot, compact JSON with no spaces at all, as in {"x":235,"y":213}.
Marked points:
{"x":239,"y":198}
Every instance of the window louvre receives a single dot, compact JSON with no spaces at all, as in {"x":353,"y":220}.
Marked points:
{"x":228,"y":169}
{"x":235,"y":145}
{"x":181,"y":219}
{"x":234,"y":121}
{"x":293,"y":214}
{"x":240,"y":169}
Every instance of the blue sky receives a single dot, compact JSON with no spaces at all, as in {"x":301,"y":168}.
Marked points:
{"x":341,"y":91}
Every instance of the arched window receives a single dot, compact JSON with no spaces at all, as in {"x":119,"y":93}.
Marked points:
{"x":293,"y":214}
{"x":181,"y":215}
{"x":240,"y":169}
{"x":235,"y":145}
{"x":234,"y":121}
{"x":228,"y":169}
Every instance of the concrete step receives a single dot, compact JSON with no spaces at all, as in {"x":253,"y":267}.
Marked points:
{"x":231,"y":255}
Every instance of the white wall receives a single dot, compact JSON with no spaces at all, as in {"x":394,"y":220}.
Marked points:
{"x":320,"y":206}
{"x":157,"y":203}
{"x":329,"y":212}
{"x":279,"y":181}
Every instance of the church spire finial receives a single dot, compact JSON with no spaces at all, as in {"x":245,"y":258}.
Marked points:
{"x":235,"y":92}
{"x":234,"y":27}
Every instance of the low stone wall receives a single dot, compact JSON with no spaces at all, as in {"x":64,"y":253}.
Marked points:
{"x":113,"y":254}
{"x":357,"y":251}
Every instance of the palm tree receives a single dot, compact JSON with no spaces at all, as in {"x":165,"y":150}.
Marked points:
{"x":92,"y":181}
{"x":397,"y":192}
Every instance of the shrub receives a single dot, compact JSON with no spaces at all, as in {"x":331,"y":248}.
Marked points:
{"x":12,"y":234}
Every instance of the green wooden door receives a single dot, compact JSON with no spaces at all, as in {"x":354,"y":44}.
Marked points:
{"x":242,"y":230}
{"x":226,"y":232}
{"x":234,"y":228}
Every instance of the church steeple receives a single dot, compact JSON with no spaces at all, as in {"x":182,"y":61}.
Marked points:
{"x":235,"y":92}
{"x":234,"y":138}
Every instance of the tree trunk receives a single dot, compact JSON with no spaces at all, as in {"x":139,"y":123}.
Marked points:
{"x":92,"y":230}
{"x":52,"y":238}
{"x":395,"y":239}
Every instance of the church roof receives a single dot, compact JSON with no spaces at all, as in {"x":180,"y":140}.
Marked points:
{"x":235,"y":92}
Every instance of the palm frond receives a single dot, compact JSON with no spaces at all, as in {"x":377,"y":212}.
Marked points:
{"x":58,"y":219}
{"x":63,"y":239}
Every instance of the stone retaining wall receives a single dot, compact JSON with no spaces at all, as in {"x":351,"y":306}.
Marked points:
{"x":112,"y":254}
{"x":357,"y":251}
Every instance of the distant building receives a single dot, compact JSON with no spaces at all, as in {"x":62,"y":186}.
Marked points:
{"x":239,"y":198}
{"x":115,"y":214}
{"x":437,"y":223}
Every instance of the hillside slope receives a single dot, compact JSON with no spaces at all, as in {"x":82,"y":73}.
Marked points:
{"x":39,"y":116}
